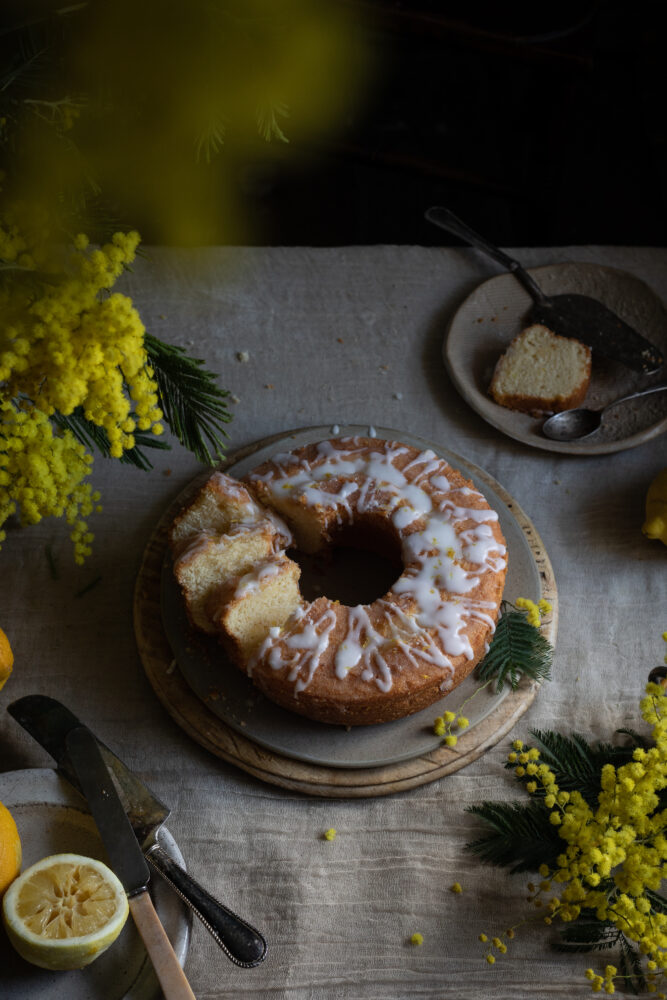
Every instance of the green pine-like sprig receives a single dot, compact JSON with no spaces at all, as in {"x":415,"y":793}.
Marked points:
{"x":93,"y":437}
{"x":521,"y":837}
{"x":517,"y":649}
{"x":193,"y":405}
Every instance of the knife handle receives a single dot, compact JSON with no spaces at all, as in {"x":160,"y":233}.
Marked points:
{"x":241,"y":943}
{"x":167,"y":969}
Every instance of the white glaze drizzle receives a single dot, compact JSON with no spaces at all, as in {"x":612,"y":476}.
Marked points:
{"x":251,"y":581}
{"x":303,"y":647}
{"x":250,"y":513}
{"x":427,"y":621}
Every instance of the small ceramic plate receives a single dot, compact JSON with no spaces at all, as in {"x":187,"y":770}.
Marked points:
{"x":52,"y":818}
{"x":230,"y":695}
{"x":495,"y":312}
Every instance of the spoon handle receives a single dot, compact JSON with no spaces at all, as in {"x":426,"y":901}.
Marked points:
{"x":447,"y":220}
{"x":641,"y":392}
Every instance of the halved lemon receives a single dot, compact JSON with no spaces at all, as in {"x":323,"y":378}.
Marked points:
{"x":64,"y":911}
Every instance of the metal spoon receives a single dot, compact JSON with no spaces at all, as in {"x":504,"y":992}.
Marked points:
{"x":571,"y":425}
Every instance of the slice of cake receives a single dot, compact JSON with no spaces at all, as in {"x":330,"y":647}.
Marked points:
{"x":206,"y":562}
{"x":541,"y":372}
{"x":222,"y":503}
{"x":219,"y":536}
{"x":245,"y":609}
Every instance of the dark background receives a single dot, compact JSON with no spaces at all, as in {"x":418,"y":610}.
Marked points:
{"x":538,"y":123}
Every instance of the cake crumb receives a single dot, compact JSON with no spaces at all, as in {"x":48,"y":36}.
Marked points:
{"x":234,"y":398}
{"x":243,"y":356}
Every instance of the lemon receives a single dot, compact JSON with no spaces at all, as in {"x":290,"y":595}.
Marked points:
{"x":10,"y":849}
{"x":6,"y":658}
{"x":64,"y":911}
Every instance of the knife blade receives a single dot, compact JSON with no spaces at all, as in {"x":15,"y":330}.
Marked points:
{"x":126,"y":858}
{"x":48,"y":722}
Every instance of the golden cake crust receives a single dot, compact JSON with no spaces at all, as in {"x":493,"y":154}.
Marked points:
{"x":542,"y":372}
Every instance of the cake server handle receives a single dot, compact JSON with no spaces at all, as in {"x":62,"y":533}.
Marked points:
{"x":445,"y":219}
{"x":242,"y":944}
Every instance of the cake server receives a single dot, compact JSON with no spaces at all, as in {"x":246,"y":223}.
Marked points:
{"x":578,"y":316}
{"x":126,"y":858}
{"x":49,"y":722}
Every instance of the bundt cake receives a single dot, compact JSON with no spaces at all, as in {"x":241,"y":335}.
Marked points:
{"x":338,"y":664}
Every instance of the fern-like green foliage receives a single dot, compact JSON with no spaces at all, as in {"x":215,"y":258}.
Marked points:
{"x":517,"y":649}
{"x":577,"y":763}
{"x":630,"y":966}
{"x":522,"y":837}
{"x":193,"y":405}
{"x":587,"y":933}
{"x":93,"y":437}
{"x":267,"y":120}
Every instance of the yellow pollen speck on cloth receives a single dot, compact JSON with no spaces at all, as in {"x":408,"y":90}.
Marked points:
{"x":417,"y":938}
{"x":455,"y":888}
{"x":329,"y":834}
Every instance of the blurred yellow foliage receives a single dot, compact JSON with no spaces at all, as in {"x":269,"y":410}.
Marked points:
{"x":148,"y":95}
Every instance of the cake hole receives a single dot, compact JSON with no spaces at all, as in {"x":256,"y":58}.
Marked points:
{"x":361,"y":566}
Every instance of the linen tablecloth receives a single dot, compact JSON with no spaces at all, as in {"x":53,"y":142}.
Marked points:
{"x":335,"y":336}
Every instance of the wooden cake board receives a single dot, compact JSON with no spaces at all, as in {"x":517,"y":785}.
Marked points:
{"x":193,"y":716}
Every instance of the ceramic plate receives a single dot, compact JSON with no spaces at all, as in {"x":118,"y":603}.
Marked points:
{"x":52,"y":818}
{"x":496,"y":311}
{"x":232,"y":697}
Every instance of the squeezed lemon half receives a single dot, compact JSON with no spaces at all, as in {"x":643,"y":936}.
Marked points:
{"x":64,"y":911}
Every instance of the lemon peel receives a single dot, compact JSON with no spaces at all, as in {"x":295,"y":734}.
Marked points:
{"x":6,"y":660}
{"x":10,"y":849}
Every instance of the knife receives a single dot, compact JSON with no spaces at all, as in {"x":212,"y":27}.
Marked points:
{"x":126,"y":857}
{"x":48,"y":721}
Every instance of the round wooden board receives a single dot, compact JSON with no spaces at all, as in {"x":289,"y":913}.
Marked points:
{"x":193,"y":716}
